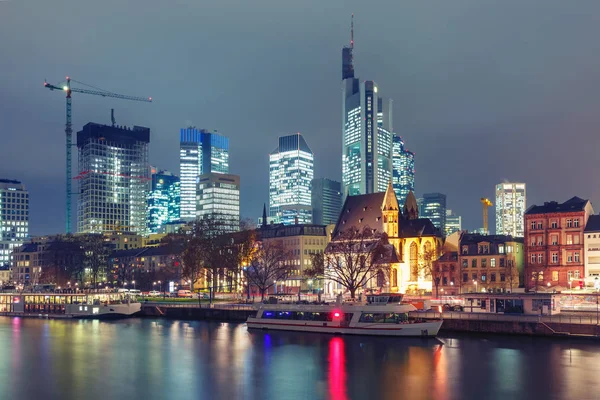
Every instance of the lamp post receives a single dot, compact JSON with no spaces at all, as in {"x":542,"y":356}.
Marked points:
{"x":452,"y":285}
{"x":133,"y":282}
{"x":310,"y":282}
{"x":475,"y":282}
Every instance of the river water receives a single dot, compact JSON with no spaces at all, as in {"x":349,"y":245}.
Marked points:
{"x":163,"y":359}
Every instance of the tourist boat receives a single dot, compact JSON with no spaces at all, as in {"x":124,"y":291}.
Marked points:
{"x":102,"y":305}
{"x":383,"y":315}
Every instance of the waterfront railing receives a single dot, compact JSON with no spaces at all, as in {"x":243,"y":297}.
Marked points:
{"x":557,"y":318}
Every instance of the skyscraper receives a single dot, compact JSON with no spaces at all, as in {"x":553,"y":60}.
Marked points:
{"x":511,"y":202}
{"x":404,"y":170}
{"x":219,"y":199}
{"x":113,"y":178}
{"x":14,"y":217}
{"x":453,"y":223}
{"x":200,"y":152}
{"x":366,"y":132}
{"x":326,"y":201}
{"x":433,"y":206}
{"x":291,"y":167}
{"x":163,"y":200}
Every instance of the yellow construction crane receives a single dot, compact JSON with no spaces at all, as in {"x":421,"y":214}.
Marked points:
{"x":486,"y":203}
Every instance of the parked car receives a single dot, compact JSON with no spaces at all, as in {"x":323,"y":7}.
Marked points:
{"x":154,"y":293}
{"x":135,"y":292}
{"x":200,"y":295}
{"x":184,"y":293}
{"x":123,"y":290}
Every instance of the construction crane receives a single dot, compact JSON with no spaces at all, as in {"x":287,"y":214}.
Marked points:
{"x":486,"y":203}
{"x":66,"y":87}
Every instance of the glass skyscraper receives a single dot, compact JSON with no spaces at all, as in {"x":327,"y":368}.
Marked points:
{"x":14,"y":218}
{"x":163,"y":200}
{"x":453,"y":223}
{"x":366,"y":133}
{"x":326,"y":201}
{"x":200,"y":152}
{"x":433,"y":206}
{"x":113,"y":178}
{"x":404,"y":170}
{"x":219,"y":199}
{"x":291,"y":170}
{"x":511,"y":203}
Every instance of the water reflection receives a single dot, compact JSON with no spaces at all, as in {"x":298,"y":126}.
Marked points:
{"x":158,"y":359}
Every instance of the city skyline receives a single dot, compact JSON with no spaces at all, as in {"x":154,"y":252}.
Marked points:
{"x":431,"y":113}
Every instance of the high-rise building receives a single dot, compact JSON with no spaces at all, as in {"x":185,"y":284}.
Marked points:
{"x":291,"y":167}
{"x":453,"y":223}
{"x":433,"y":206}
{"x":201,"y":152}
{"x":14,"y":218}
{"x":326,"y":201}
{"x":163,"y":200}
{"x":219,"y":199}
{"x":511,"y":203}
{"x":404,"y":170}
{"x":366,"y":132}
{"x":113,"y":178}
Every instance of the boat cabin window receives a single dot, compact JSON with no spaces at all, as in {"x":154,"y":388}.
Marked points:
{"x":384,"y":299}
{"x":383,"y":318}
{"x":304,"y":316}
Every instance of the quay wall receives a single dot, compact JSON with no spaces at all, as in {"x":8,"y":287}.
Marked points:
{"x":195,"y":313}
{"x":520,"y":328}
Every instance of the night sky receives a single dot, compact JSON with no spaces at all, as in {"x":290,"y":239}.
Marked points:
{"x":483,"y":90}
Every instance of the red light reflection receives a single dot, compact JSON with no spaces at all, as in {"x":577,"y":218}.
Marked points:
{"x":337,"y":370}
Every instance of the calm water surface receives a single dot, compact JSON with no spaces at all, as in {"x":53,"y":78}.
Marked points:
{"x":160,"y":359}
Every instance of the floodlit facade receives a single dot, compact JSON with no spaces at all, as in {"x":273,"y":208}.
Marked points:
{"x":163,"y":200}
{"x":403,"y":170}
{"x":511,"y":203}
{"x":326,"y":201}
{"x":366,"y":133}
{"x":453,"y":223}
{"x":219,"y":198}
{"x":114,"y":178}
{"x":14,"y":218}
{"x":591,"y":244}
{"x":291,"y":170}
{"x":433,"y":206}
{"x":201,"y":152}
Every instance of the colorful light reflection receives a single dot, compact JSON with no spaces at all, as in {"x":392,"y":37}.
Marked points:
{"x":337,"y":370}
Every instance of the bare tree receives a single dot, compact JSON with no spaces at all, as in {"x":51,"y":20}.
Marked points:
{"x":65,"y":256}
{"x":431,"y":268}
{"x":317,"y":270}
{"x":354,"y":257}
{"x":269,"y":264}
{"x":96,"y":256}
{"x":512,"y":275}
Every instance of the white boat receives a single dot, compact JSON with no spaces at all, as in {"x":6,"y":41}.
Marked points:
{"x":383,"y":315}
{"x":69,"y":305}
{"x":100,"y":310}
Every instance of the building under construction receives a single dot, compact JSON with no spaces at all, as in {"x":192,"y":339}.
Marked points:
{"x":114,"y":177}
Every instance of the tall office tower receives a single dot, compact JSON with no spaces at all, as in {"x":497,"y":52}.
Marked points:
{"x":14,"y":218}
{"x":201,"y":152}
{"x":404,"y":170}
{"x":219,"y":199}
{"x":163,"y":200}
{"x":113,"y":178}
{"x":291,"y":167}
{"x":366,"y":132}
{"x":433,"y":206}
{"x":326,"y":201}
{"x":453,"y":223}
{"x":511,"y":203}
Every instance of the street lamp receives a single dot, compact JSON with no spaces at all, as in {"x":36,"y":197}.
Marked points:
{"x":310,"y":282}
{"x":475,"y":282}
{"x":133,"y":284}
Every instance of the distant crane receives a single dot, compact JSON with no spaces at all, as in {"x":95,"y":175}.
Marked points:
{"x":486,"y":203}
{"x":66,"y":87}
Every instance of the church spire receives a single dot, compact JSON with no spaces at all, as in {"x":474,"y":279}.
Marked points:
{"x":411,"y":210}
{"x":264,"y":220}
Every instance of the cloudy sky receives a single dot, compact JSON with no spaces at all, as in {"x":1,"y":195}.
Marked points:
{"x":484,"y":90}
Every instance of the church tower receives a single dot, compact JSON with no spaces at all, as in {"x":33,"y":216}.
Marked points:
{"x":390,"y":212}
{"x":411,"y":210}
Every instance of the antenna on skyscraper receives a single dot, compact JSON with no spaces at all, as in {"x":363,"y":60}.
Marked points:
{"x":352,"y":32}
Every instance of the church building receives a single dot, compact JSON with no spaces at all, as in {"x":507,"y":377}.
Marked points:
{"x":416,"y":241}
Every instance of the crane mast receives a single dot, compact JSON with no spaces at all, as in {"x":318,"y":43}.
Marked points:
{"x":69,"y":130}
